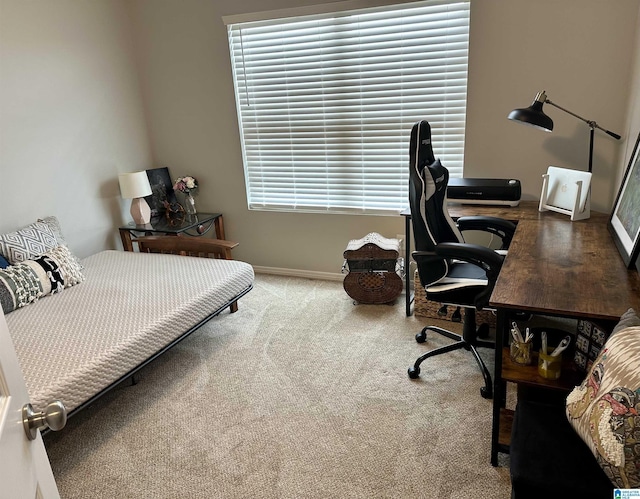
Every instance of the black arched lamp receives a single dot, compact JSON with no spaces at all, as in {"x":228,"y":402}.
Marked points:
{"x":534,"y":116}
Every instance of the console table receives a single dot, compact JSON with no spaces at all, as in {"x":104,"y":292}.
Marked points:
{"x":193,"y":225}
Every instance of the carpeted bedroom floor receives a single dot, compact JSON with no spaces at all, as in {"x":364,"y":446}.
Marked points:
{"x":300,"y":394}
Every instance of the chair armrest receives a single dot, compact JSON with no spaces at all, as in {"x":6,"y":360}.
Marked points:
{"x":481,"y":256}
{"x":500,"y":227}
{"x":186,"y":246}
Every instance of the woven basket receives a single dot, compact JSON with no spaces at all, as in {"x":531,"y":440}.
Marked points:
{"x":428,"y":308}
{"x":373,"y":287}
{"x":375,"y":272}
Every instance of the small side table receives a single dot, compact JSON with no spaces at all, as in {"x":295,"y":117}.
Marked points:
{"x":192,"y":225}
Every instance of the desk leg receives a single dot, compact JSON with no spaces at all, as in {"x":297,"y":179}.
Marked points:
{"x":407,"y":264}
{"x":499,"y":388}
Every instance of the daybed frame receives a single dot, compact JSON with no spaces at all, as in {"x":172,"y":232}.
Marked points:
{"x":123,"y":307}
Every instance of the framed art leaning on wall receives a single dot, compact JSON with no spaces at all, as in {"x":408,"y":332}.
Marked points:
{"x":161,"y":190}
{"x":624,"y":223}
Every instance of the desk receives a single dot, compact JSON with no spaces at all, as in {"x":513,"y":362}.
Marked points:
{"x":200,"y":223}
{"x":560,"y":268}
{"x":554,"y":267}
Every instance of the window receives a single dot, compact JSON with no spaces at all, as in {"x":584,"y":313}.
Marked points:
{"x":326,"y":103}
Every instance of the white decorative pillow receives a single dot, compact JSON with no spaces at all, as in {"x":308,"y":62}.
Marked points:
{"x":68,"y":264}
{"x":54,"y":224}
{"x":605,"y":409}
{"x":27,"y":243}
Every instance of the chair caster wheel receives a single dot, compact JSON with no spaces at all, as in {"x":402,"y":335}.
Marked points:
{"x":484,"y":330}
{"x":486,"y":393}
{"x":421,"y":337}
{"x":414,"y":372}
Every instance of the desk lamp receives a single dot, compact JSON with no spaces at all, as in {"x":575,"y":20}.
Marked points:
{"x":534,"y":116}
{"x":135,"y":186}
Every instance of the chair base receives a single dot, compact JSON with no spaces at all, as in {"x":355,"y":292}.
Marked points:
{"x":468,"y":340}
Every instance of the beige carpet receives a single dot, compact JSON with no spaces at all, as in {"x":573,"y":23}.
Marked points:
{"x":301,"y":394}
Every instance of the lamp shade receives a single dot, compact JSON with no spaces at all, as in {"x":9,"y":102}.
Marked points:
{"x":533,"y":115}
{"x":134,"y":185}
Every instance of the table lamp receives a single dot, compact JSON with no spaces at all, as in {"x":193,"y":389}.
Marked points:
{"x":534,"y":116}
{"x":135,"y":186}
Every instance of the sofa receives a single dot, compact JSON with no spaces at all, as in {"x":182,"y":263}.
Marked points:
{"x":585,"y":444}
{"x":81,"y":327}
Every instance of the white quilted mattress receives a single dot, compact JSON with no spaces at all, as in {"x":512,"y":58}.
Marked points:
{"x":74,"y":344}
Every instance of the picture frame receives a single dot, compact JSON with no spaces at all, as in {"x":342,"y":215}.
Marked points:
{"x":161,"y":190}
{"x":624,"y":223}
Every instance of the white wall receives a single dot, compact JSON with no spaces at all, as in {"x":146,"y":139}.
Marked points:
{"x":581,"y":53}
{"x":185,"y":69}
{"x":578,"y":50}
{"x":71,"y":116}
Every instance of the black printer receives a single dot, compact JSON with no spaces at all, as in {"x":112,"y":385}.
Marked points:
{"x":491,"y":191}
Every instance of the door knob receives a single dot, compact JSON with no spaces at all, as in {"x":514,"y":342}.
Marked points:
{"x":53,"y":417}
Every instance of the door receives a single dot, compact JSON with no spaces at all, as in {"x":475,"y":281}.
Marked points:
{"x":24,"y":467}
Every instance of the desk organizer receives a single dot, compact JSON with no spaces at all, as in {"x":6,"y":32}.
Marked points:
{"x":567,"y":192}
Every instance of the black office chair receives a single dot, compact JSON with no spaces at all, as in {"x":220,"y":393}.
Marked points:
{"x":452,"y":272}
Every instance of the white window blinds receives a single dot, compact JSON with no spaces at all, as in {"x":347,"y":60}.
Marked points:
{"x":326,"y":103}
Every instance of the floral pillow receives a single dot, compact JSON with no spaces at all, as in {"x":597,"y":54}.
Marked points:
{"x":605,"y":409}
{"x":28,"y":281}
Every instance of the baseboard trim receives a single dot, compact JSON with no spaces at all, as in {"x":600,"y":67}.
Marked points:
{"x":309,"y":274}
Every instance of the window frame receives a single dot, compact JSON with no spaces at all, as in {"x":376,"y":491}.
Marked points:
{"x":447,"y":124}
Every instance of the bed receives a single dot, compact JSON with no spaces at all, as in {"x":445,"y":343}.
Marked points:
{"x":129,"y":308}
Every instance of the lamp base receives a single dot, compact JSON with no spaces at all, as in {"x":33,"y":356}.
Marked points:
{"x":140,"y":211}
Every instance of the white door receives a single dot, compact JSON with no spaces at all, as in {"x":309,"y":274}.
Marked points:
{"x":24,"y":467}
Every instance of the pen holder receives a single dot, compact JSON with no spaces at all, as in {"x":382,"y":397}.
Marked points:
{"x":520,"y":352}
{"x":549,"y":367}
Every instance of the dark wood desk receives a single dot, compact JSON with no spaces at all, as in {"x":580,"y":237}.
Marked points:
{"x":554,"y":267}
{"x":559,"y":268}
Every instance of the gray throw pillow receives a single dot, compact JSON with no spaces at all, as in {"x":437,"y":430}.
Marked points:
{"x":628,"y":319}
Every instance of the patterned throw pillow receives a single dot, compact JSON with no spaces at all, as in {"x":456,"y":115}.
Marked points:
{"x":54,"y":224}
{"x":605,"y":409}
{"x":19,"y":286}
{"x":68,"y":264}
{"x":28,"y":281}
{"x":28,"y":243}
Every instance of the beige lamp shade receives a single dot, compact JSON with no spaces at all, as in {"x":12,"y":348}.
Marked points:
{"x":135,"y":186}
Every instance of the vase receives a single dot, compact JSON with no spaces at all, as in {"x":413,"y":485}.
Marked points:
{"x":189,"y":204}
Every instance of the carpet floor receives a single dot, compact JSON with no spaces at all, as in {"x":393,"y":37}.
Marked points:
{"x":300,"y":394}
